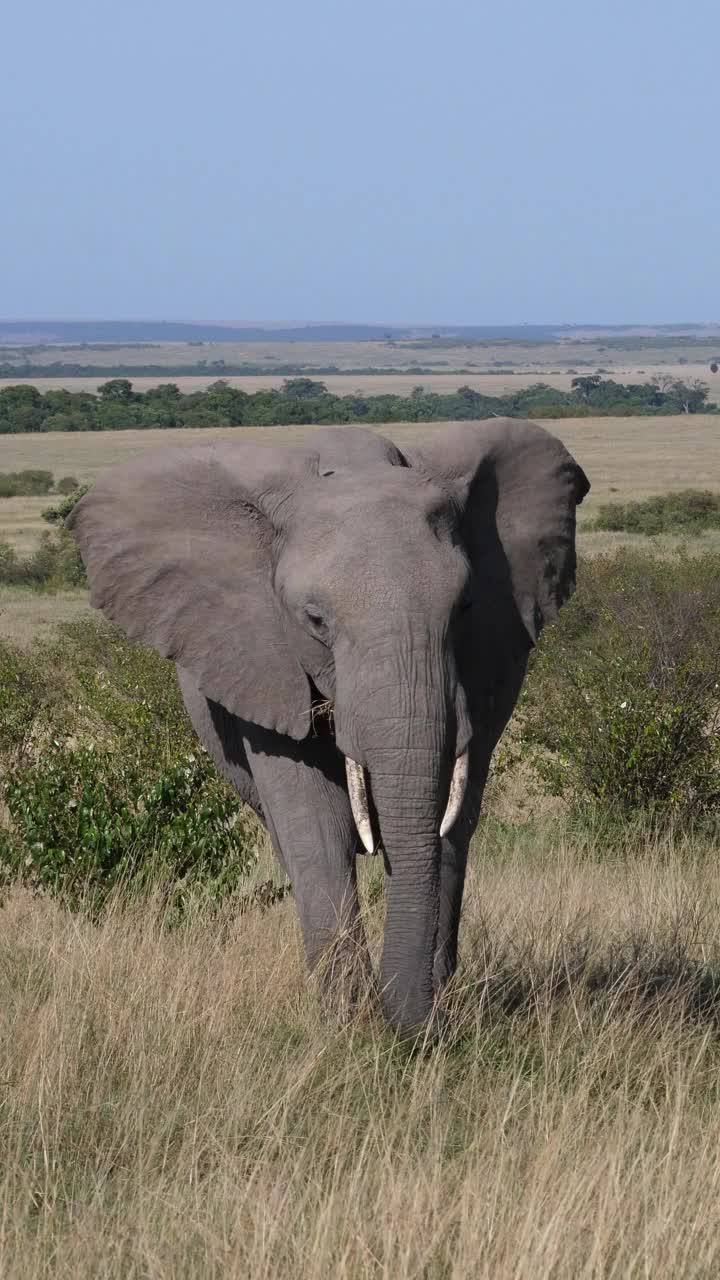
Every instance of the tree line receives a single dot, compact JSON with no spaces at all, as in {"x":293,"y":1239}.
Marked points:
{"x":117,"y":406}
{"x":11,"y":370}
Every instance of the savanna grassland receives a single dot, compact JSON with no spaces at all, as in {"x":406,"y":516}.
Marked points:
{"x":176,"y":1105}
{"x":373,"y":367}
{"x":400,"y":382}
{"x":627,"y":352}
{"x":173,"y":1100}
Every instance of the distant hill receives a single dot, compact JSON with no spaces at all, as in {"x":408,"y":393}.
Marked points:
{"x":63,"y":332}
{"x":112,"y":332}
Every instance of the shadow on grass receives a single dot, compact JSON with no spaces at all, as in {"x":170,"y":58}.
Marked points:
{"x":641,"y":977}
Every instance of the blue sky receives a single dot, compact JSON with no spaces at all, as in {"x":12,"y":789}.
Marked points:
{"x":383,"y":160}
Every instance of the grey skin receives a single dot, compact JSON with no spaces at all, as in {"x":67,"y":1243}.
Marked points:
{"x":407,"y":588}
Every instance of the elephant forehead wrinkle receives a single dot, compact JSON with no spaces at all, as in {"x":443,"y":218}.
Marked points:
{"x":348,"y":490}
{"x":367,"y":525}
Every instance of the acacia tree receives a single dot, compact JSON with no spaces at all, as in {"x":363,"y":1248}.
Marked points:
{"x":586,"y":384}
{"x":692,"y":394}
{"x":117,"y":391}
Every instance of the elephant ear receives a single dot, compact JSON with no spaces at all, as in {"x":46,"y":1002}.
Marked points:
{"x":178,"y":550}
{"x":517,"y":487}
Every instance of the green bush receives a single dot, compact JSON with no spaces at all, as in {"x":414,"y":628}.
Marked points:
{"x":88,"y":819}
{"x":103,"y":778}
{"x":25,"y":484}
{"x":55,"y":563}
{"x":687,"y":511}
{"x":60,"y":512}
{"x":68,"y":484}
{"x":622,"y":703}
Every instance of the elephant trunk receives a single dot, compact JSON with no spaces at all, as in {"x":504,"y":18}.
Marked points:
{"x":408,"y":818}
{"x":401,"y":739}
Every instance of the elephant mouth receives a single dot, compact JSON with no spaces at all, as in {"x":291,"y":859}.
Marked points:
{"x":357,"y":791}
{"x":322,"y":713}
{"x":322,"y":718}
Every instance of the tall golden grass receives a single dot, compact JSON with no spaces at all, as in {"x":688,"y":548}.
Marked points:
{"x":175,"y":1103}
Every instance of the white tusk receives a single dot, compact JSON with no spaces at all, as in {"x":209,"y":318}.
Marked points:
{"x":457,"y":793}
{"x":359,"y":802}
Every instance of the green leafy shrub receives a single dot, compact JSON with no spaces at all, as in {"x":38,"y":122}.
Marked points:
{"x":622,"y":704}
{"x":60,"y":512}
{"x":103,"y":778}
{"x":688,"y":511}
{"x":25,"y":484}
{"x":68,"y":484}
{"x":88,"y":819}
{"x":55,"y":563}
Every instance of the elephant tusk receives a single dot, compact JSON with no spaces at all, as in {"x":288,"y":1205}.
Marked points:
{"x":457,"y":793}
{"x":359,"y":802}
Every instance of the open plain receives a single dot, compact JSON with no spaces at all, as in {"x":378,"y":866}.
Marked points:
{"x":493,"y":367}
{"x":584,"y":349}
{"x":490,"y":382}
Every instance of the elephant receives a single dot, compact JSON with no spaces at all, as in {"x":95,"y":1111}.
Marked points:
{"x":403,"y":590}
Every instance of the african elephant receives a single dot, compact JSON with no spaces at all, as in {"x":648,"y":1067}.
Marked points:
{"x":404,"y":588}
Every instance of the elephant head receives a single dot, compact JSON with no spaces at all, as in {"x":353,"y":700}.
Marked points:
{"x":399,"y":585}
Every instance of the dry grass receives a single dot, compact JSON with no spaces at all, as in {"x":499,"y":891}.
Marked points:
{"x":605,"y":542}
{"x":175,"y":1104}
{"x":21,"y":521}
{"x":28,"y":616}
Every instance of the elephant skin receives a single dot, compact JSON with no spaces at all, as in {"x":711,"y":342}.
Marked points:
{"x":405,"y":588}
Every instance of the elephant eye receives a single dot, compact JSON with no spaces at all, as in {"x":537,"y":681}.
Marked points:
{"x":315,"y":620}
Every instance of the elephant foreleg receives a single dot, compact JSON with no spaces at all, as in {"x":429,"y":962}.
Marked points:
{"x":493,"y":716}
{"x":304,"y":797}
{"x":452,"y":883}
{"x":453,"y":865}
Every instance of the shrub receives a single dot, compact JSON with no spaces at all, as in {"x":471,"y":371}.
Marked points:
{"x":623,"y":699}
{"x":686,"y":511}
{"x":104,"y":779}
{"x":60,"y":512}
{"x":90,"y":818}
{"x":55,"y":563}
{"x":25,"y":484}
{"x":68,"y":484}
